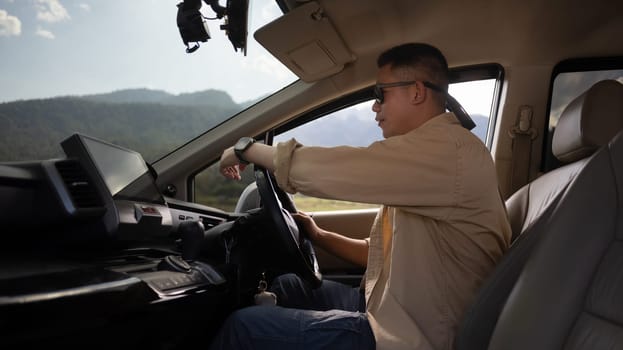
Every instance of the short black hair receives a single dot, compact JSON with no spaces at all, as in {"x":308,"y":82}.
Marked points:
{"x":418,"y":56}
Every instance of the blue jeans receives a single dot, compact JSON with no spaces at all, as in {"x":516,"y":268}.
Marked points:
{"x":330,"y":317}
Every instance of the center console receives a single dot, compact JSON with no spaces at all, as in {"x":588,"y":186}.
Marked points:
{"x":117,"y":266}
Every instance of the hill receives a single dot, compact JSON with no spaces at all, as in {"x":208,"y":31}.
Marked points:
{"x":202,"y":98}
{"x":150,"y":122}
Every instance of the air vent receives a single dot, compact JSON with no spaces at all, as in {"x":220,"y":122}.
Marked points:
{"x":209,"y":222}
{"x":81,"y":190}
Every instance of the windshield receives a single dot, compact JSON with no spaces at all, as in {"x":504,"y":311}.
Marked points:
{"x":117,"y":70}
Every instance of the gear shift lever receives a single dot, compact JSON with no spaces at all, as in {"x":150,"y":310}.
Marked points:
{"x":192,"y":234}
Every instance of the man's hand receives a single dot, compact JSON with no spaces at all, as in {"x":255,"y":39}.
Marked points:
{"x":230,"y":166}
{"x":257,"y":153}
{"x":309,"y":225}
{"x":350,"y":249}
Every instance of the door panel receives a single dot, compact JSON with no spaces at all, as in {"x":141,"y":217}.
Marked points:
{"x":351,"y":223}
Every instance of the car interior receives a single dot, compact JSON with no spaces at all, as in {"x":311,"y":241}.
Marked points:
{"x":532,"y":208}
{"x":105,"y":248}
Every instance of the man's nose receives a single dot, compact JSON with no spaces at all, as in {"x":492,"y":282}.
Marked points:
{"x":376,"y":107}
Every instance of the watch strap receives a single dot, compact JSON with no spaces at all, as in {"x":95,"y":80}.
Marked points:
{"x":240,"y":157}
{"x":241,"y":146}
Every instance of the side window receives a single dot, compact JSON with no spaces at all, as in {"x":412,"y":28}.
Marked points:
{"x":355,"y":126}
{"x":213,"y":190}
{"x":352,"y":126}
{"x":567,"y":86}
{"x":477,"y":97}
{"x":475,"y":89}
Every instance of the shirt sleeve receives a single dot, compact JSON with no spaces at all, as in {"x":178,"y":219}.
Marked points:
{"x":281,"y":160}
{"x":419,"y":168}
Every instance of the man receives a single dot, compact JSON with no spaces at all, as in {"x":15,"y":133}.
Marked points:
{"x":440,"y":230}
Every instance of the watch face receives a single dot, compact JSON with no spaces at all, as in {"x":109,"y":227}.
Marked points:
{"x":243,"y":144}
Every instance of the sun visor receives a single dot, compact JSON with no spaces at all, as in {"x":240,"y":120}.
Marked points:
{"x":306,"y":41}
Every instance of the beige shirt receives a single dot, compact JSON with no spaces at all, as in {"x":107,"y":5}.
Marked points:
{"x":438,"y":235}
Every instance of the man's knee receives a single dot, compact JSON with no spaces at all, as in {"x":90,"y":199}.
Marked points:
{"x":288,"y":279}
{"x":237,"y":329}
{"x":291,"y":291}
{"x":241,"y":320}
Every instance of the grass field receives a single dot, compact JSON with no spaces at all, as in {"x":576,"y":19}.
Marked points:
{"x":303,"y":203}
{"x":311,"y":204}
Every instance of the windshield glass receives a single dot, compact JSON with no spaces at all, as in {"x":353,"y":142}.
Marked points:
{"x":117,"y":70}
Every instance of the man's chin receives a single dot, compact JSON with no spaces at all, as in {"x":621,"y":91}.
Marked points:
{"x":387,"y":134}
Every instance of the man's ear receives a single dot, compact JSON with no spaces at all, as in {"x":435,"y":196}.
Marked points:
{"x":418,"y":95}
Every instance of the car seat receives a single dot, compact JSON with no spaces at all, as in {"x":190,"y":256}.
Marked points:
{"x":586,"y":124}
{"x":568,"y":294}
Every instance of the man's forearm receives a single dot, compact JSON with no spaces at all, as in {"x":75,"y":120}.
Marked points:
{"x":261,"y":155}
{"x":349,"y":249}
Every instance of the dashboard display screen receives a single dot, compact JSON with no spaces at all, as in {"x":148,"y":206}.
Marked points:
{"x":118,"y":166}
{"x":124,"y":171}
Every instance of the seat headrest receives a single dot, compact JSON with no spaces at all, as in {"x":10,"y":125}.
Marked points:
{"x":589,"y":121}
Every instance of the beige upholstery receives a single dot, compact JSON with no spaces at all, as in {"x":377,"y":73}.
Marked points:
{"x":587,"y":123}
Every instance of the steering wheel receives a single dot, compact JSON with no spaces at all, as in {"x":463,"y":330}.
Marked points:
{"x":278,"y":206}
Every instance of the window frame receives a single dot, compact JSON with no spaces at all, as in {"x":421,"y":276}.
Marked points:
{"x":457,"y":75}
{"x":482,"y":72}
{"x":574,"y":65}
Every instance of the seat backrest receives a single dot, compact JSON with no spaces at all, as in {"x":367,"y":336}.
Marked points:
{"x":569,"y":293}
{"x":586,"y":124}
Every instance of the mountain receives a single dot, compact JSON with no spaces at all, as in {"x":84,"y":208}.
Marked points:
{"x":131,"y":96}
{"x":150,"y":122}
{"x":202,"y":98}
{"x":482,"y":125}
{"x":354,"y":128}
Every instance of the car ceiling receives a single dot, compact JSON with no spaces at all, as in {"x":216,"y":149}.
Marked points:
{"x":504,"y":31}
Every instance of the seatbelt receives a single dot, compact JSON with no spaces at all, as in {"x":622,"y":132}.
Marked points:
{"x":522,"y":134}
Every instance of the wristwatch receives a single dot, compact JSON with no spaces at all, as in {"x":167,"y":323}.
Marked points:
{"x":241,"y":146}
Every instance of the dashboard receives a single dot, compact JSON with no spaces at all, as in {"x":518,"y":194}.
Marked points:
{"x":92,"y":246}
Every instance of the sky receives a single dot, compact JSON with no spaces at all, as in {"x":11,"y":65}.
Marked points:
{"x":77,"y":47}
{"x":55,"y":48}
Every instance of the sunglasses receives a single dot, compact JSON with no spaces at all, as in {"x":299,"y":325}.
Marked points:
{"x":378,"y":88}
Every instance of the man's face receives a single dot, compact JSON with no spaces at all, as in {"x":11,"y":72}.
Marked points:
{"x":395,"y":114}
